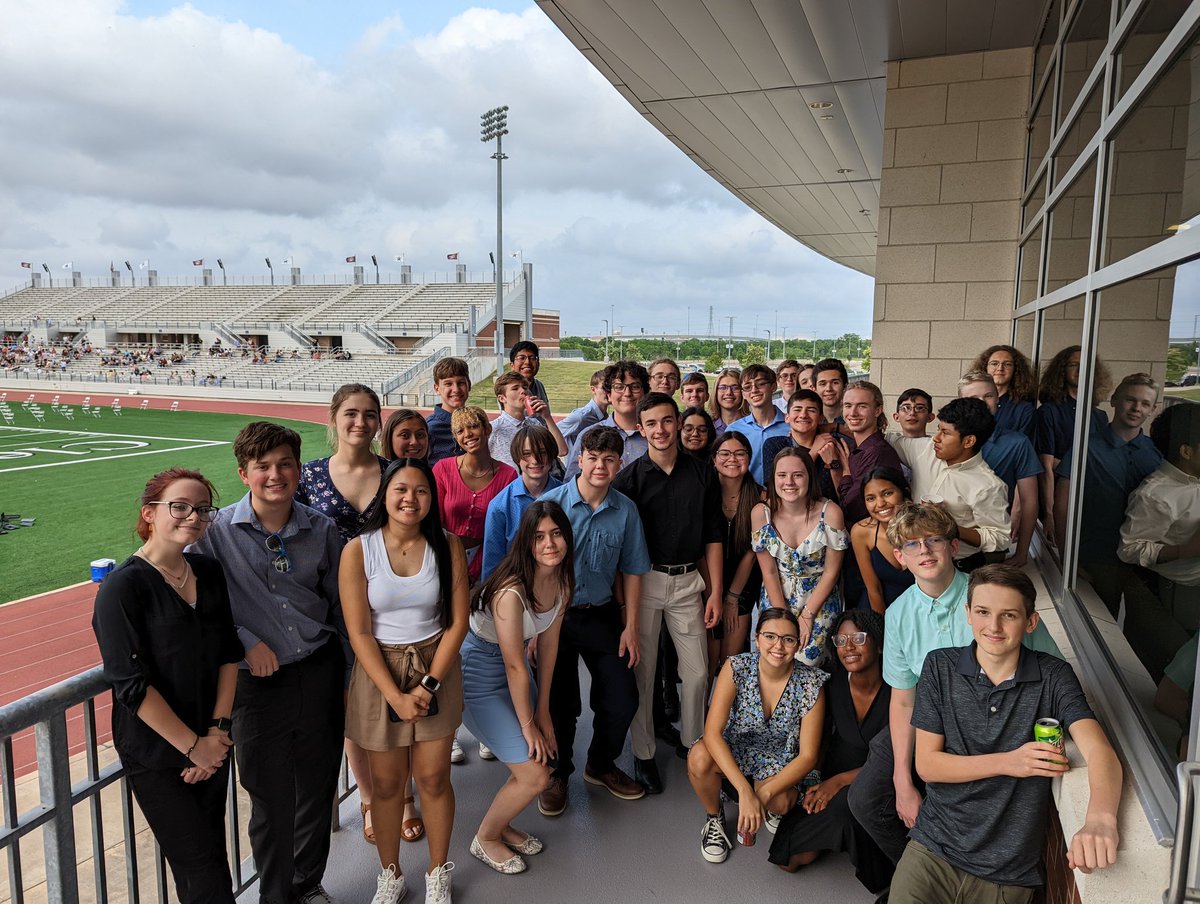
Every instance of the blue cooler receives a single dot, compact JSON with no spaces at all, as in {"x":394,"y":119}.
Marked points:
{"x":101,"y":567}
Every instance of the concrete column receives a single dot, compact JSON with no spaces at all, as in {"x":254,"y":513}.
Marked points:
{"x":295,"y":276}
{"x":152,"y":277}
{"x":406,"y":274}
{"x":358,"y":275}
{"x":953,"y":159}
{"x":460,"y":273}
{"x":76,"y":278}
{"x":35,"y":279}
{"x":206,"y":276}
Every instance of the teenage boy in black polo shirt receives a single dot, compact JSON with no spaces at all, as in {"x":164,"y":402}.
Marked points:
{"x":679,"y":501}
{"x":980,"y":832}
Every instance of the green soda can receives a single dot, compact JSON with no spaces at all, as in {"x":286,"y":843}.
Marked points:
{"x":1049,"y":731}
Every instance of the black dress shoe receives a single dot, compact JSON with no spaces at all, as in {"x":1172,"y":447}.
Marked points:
{"x":668,"y":734}
{"x":671,"y":709}
{"x":646,"y":772}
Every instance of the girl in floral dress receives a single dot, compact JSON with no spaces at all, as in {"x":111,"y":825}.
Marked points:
{"x":800,"y":539}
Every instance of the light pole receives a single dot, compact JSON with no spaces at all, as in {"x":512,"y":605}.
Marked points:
{"x":375,"y":261}
{"x":272,"y":269}
{"x":768,"y":332}
{"x":132,"y":278}
{"x":224,"y":278}
{"x":494,"y":127}
{"x":607,"y":333}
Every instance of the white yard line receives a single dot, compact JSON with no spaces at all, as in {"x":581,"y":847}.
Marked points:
{"x":196,"y":444}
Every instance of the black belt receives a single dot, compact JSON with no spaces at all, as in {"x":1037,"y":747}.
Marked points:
{"x":674,"y":570}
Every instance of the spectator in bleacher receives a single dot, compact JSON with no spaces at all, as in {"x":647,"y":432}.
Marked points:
{"x":452,"y":382}
{"x":625,"y":383}
{"x":466,"y":484}
{"x":693,"y":391}
{"x":728,"y":404}
{"x":343,"y":487}
{"x":664,"y":376}
{"x":170,"y":650}
{"x":405,"y":435}
{"x":787,"y":374}
{"x":281,"y":556}
{"x":518,"y":406}
{"x":526,"y":359}
{"x":534,"y":449}
{"x":592,"y":413}
{"x":1016,"y":386}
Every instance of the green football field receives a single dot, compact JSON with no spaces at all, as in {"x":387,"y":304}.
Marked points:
{"x":81,"y":479}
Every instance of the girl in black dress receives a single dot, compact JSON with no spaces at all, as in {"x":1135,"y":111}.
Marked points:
{"x":170,"y":650}
{"x":856,"y":710}
{"x":883,"y":579}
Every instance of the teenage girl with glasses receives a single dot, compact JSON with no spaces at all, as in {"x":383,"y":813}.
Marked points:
{"x":727,"y":403}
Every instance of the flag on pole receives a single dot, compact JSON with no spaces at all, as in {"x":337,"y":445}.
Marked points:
{"x":68,"y":265}
{"x":198,"y":262}
{"x":288,"y":261}
{"x":143,"y":265}
{"x":27,"y":265}
{"x":400,"y":258}
{"x":452,"y":257}
{"x":352,"y":259}
{"x":516,"y":254}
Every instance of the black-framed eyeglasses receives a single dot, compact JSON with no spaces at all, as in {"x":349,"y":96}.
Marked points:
{"x":181,"y":511}
{"x":281,"y":562}
{"x":770,"y":638}
{"x":858,"y":638}
{"x":692,"y":429}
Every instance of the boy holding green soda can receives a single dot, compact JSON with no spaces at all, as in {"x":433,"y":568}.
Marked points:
{"x":980,"y":831}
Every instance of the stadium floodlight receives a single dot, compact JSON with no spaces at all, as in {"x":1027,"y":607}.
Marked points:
{"x":132,"y":278}
{"x":494,"y":127}
{"x":272,"y":269}
{"x":49,"y":274}
{"x":375,"y":261}
{"x":224,"y":276}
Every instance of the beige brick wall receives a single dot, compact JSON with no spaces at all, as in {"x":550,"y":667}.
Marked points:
{"x":954,"y":139}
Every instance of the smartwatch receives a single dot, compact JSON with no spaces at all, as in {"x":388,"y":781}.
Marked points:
{"x":225,"y":725}
{"x":430,"y":684}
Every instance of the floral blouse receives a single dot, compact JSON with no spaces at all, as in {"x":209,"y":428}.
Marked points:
{"x":317,"y":491}
{"x":761,"y":746}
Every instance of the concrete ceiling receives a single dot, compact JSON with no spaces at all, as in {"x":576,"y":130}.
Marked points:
{"x":740,"y":86}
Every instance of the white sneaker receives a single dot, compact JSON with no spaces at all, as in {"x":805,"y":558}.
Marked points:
{"x":714,"y":843}
{"x":389,"y":888}
{"x":772,"y":822}
{"x":457,"y":754}
{"x":437,"y":884}
{"x":485,"y":752}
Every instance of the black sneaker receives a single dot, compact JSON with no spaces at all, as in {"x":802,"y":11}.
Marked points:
{"x":714,"y":843}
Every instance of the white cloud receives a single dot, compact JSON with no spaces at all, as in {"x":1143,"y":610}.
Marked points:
{"x":187,"y":135}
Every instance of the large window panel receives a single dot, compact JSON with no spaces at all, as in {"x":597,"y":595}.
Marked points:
{"x":1046,"y":40}
{"x":1039,"y":131}
{"x":1071,"y":231}
{"x":1078,"y":135}
{"x":1155,"y":20}
{"x":1155,"y":154}
{"x":1082,"y":49}
{"x":1027,"y":278}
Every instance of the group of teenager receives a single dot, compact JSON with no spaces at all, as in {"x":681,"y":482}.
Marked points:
{"x":372,"y":603}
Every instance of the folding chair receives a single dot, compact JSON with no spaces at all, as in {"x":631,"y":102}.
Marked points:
{"x":175,"y":406}
{"x":7,"y":415}
{"x":145,"y":404}
{"x":38,"y":414}
{"x":67,"y":412}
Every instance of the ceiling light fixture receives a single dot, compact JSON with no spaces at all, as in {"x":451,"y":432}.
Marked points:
{"x":844,"y":170}
{"x":825,"y":116}
{"x":821,"y":104}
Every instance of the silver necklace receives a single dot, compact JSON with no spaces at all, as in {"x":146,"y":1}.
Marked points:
{"x":167,"y":576}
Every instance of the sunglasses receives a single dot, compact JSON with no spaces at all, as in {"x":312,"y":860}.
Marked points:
{"x":281,"y":562}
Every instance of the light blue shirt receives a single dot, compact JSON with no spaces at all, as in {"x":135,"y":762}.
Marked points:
{"x":635,"y":447}
{"x":503,"y":518}
{"x":579,"y":420}
{"x":917,"y":624}
{"x":758,"y":435}
{"x":608,"y":539}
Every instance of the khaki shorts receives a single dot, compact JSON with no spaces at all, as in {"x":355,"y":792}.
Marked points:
{"x":922,"y":877}
{"x":367,"y":722}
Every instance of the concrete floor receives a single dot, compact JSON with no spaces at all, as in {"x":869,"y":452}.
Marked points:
{"x":602,"y":850}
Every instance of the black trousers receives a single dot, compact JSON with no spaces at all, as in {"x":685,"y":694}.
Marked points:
{"x":188,"y":821}
{"x":288,"y":730}
{"x":872,"y":798}
{"x":592,"y":634}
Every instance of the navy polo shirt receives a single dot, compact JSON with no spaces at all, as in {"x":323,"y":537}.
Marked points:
{"x":1114,"y":470}
{"x":992,"y":828}
{"x":1011,"y":456}
{"x":1012,"y":415}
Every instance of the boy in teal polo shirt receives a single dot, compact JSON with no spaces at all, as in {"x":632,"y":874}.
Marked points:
{"x":930,"y":615}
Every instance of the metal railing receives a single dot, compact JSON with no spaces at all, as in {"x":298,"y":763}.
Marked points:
{"x":45,"y":712}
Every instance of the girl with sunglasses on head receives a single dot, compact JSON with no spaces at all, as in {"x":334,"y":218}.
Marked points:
{"x":762,"y":735}
{"x":343,"y":487}
{"x":883,"y":492}
{"x":522,"y":602}
{"x":171,"y":652}
{"x":404,"y":592}
{"x":727,"y":403}
{"x":742,"y":575}
{"x":856,"y":709}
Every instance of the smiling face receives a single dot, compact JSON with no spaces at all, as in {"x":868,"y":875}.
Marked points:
{"x":471,"y":437}
{"x":731,"y":458}
{"x":860,"y":411}
{"x":694,"y":433}
{"x":624,"y":394}
{"x":165,"y":528}
{"x":410,"y":439}
{"x":729,"y":393}
{"x":273,"y":478}
{"x":830,"y":386}
{"x":1132,"y":405}
{"x":549,"y":544}
{"x":408,"y":497}
{"x":855,"y":657}
{"x":777,"y":642}
{"x":454,"y":392}
{"x":787,"y":377}
{"x":882,"y":498}
{"x":998,"y":618}
{"x":660,"y":426}
{"x":757,"y":390}
{"x":599,"y":469}
{"x":804,"y":379}
{"x":982,"y":391}
{"x":791,"y":479}
{"x":913,"y":416}
{"x":533,"y":464}
{"x":694,"y":395}
{"x":356,"y":421}
{"x":664,"y":378}
{"x":527,"y":364}
{"x":1000,"y":368}
{"x":929,"y":557}
{"x":804,"y":417}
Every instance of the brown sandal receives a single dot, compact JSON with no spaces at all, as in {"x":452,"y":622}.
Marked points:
{"x":368,"y":826}
{"x":412,"y":829}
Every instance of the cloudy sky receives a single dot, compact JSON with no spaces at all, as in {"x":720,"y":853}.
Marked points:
{"x":150,"y":130}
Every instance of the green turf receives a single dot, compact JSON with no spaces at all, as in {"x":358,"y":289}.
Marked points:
{"x":568,"y":384}
{"x":87,"y":511}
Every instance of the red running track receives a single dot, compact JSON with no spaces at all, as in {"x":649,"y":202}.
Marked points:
{"x":47,"y":638}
